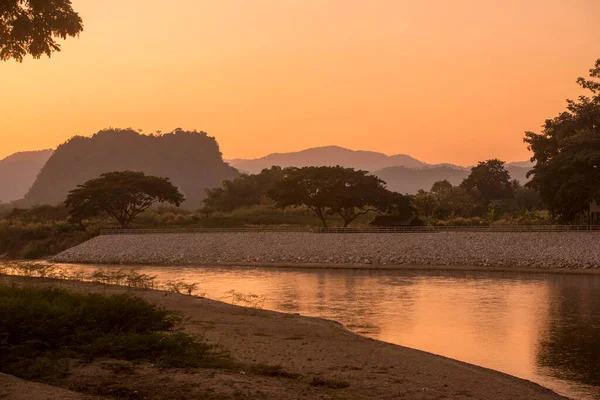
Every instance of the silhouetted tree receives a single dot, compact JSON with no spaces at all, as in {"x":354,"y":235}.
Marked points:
{"x":567,"y":154}
{"x":441,"y":187}
{"x":332,"y":190}
{"x":489,"y":180}
{"x":122,"y":195}
{"x":31,"y":27}
{"x":243,"y":191}
{"x":425,"y":204}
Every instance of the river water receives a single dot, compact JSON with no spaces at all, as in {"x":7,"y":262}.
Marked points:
{"x":540,"y":327}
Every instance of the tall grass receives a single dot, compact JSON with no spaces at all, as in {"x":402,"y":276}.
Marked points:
{"x":43,"y":326}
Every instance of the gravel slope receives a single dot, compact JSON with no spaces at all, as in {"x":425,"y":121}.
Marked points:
{"x":506,"y":249}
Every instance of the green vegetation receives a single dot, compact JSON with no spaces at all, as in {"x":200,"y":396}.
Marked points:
{"x":39,"y":231}
{"x":336,"y":190}
{"x":487,"y":196}
{"x":244,"y":191}
{"x":567,"y":155}
{"x":42,"y":327}
{"x":32,"y":26}
{"x":122,"y":195}
{"x":326,"y":191}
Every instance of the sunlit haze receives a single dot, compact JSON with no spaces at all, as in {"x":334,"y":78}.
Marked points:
{"x":444,"y":81}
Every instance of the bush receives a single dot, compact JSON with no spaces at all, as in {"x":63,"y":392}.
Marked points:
{"x":36,"y":240}
{"x":43,"y":325}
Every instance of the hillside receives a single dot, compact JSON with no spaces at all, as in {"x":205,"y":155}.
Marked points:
{"x":328,"y":156}
{"x":410,"y":180}
{"x":191,"y":160}
{"x":18,"y":171}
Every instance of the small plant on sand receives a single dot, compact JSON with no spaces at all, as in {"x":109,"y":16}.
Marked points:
{"x":183,"y":287}
{"x":247,"y":300}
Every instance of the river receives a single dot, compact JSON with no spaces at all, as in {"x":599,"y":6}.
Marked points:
{"x":540,"y":327}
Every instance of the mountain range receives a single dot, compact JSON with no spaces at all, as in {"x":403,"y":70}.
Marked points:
{"x":18,"y":171}
{"x":84,"y":158}
{"x":336,"y":155}
{"x":401,"y":172}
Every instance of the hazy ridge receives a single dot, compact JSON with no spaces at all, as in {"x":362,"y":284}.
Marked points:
{"x":402,"y":172}
{"x":196,"y":164}
{"x":18,"y":171}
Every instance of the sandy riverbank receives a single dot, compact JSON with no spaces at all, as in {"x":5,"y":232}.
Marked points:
{"x":311,"y":348}
{"x":502,"y":251}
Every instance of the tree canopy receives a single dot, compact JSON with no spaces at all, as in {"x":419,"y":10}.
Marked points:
{"x":567,"y":154}
{"x":243,"y":191}
{"x":122,"y":195}
{"x":32,"y":27}
{"x":335,"y":190}
{"x":489,"y":180}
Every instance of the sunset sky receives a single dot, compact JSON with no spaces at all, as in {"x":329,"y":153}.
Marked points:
{"x":444,"y":81}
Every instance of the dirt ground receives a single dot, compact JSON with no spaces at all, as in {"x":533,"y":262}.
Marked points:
{"x":321,"y":360}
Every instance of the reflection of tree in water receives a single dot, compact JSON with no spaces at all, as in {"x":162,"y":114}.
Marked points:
{"x":571,"y":347}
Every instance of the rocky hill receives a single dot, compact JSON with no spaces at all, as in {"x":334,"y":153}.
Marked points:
{"x":192,"y":160}
{"x":18,"y":171}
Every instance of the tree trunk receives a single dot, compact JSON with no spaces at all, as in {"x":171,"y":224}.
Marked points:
{"x":319,"y":212}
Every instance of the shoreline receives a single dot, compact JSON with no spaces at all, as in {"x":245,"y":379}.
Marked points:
{"x":311,"y":346}
{"x":356,"y":267}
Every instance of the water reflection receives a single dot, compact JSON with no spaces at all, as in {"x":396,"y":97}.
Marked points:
{"x":545,"y":328}
{"x":570,"y":347}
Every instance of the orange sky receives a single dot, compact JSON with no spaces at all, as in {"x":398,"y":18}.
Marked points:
{"x":444,"y":81}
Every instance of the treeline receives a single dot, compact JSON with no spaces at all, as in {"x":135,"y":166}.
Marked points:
{"x":487,"y":194}
{"x":344,"y":192}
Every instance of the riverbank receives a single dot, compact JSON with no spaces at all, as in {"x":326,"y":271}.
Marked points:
{"x":320,"y":359}
{"x":448,"y":250}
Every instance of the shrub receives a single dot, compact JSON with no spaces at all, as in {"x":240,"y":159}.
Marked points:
{"x":43,"y":325}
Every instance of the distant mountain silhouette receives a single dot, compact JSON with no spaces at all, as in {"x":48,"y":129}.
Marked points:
{"x":191,"y":160}
{"x":520,"y":164}
{"x":327,"y":156}
{"x":403,"y":173}
{"x":18,"y":171}
{"x":411,"y":180}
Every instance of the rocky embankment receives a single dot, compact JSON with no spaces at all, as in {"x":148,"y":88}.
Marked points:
{"x":511,"y":249}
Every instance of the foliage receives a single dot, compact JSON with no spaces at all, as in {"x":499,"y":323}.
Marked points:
{"x":122,"y":195}
{"x":31,"y":27}
{"x":334,"y":190}
{"x":567,"y":154}
{"x":425,"y":204}
{"x":243,"y":191}
{"x":489,"y":180}
{"x":36,"y":240}
{"x":47,"y":323}
{"x":38,"y":214}
{"x":190,"y":159}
